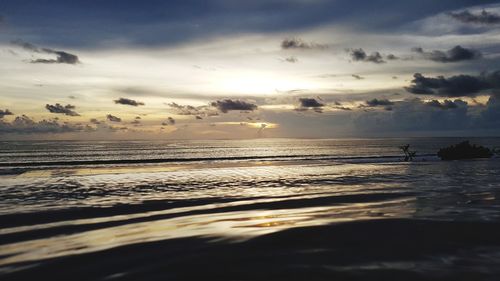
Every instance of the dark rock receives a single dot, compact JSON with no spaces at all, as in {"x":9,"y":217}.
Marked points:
{"x":464,"y":150}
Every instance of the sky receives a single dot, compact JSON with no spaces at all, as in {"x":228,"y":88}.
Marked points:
{"x":226,"y":69}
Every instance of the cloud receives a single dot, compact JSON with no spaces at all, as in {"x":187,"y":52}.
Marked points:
{"x":484,"y":18}
{"x":197,"y":111}
{"x":226,"y":105}
{"x":170,"y":121}
{"x":454,"y":86}
{"x":391,"y":57}
{"x":415,"y":115}
{"x":27,"y":46}
{"x":379,"y":102}
{"x":296,"y":43}
{"x":455,"y":54}
{"x":446,"y":104}
{"x":344,"y":108}
{"x":5,"y":113}
{"x":113,"y":118}
{"x":339,"y":106}
{"x":126,"y":101}
{"x":61,"y":57}
{"x":310,"y":103}
{"x":490,"y":116}
{"x":60,"y":109}
{"x":218,"y":18}
{"x":25,"y":125}
{"x":186,"y":109}
{"x":360,"y":55}
{"x":95,"y":121}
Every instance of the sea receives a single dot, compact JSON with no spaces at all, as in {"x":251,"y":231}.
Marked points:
{"x":260,"y":209}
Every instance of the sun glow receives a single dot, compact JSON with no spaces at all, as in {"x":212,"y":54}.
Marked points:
{"x":259,"y":83}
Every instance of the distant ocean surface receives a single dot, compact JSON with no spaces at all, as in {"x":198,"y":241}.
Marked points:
{"x":263,"y":209}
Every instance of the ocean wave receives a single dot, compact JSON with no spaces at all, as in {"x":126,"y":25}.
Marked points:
{"x":377,"y":158}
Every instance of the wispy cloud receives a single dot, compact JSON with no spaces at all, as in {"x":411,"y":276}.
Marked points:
{"x":297,"y":43}
{"x":61,"y":56}
{"x":484,"y":18}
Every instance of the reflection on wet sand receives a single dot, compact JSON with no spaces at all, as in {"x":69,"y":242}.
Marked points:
{"x":377,"y":249}
{"x":235,"y":225}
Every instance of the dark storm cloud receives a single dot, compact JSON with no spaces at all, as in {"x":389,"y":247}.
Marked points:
{"x":226,"y":105}
{"x":60,"y":109}
{"x":188,"y":20}
{"x":379,"y":102}
{"x":455,"y":54}
{"x":25,"y":125}
{"x":360,"y":55}
{"x":484,"y":18}
{"x":296,"y":43}
{"x":113,"y":118}
{"x":5,"y":113}
{"x":446,"y":104}
{"x":126,"y":101}
{"x":454,"y":86}
{"x":61,"y":57}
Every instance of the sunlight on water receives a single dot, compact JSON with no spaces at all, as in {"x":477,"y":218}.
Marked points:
{"x":59,"y":210}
